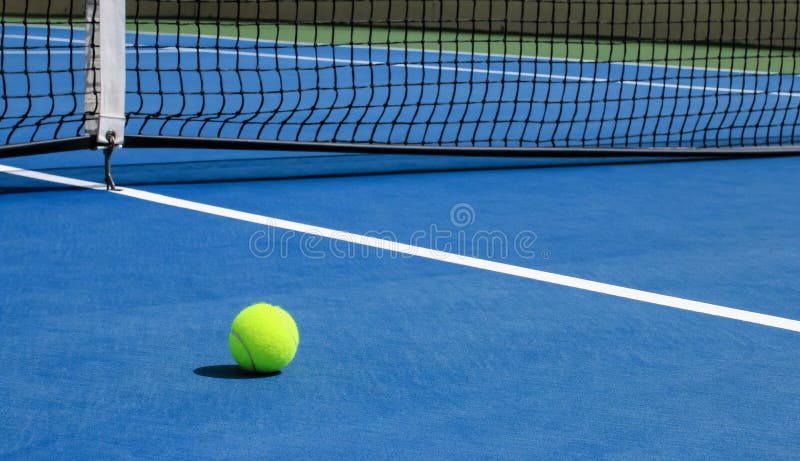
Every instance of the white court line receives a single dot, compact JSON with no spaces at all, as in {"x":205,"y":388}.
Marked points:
{"x":457,"y":53}
{"x":707,"y":89}
{"x":427,"y":253}
{"x":423,"y":50}
{"x":542,"y":76}
{"x":47,"y":52}
{"x":44,"y":38}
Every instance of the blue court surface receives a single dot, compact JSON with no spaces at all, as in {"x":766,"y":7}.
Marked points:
{"x":637,"y":310}
{"x":116,"y":310}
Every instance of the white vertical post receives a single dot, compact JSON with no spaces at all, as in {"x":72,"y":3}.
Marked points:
{"x":105,"y":70}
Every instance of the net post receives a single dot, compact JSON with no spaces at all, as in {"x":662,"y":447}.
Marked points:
{"x":105,"y":76}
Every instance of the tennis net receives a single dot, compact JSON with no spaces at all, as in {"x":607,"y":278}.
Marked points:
{"x":484,"y":76}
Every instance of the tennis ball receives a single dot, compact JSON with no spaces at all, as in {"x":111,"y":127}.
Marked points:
{"x":263,"y":338}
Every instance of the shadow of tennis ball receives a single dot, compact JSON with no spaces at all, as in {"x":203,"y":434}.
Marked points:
{"x":231,"y":372}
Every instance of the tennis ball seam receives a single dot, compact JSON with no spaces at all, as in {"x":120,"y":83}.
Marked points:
{"x":287,"y":327}
{"x":249,"y":355}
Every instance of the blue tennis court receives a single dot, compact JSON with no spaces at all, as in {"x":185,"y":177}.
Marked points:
{"x":448,"y":307}
{"x":116,"y":313}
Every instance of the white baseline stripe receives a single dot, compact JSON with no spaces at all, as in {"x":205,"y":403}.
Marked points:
{"x":501,"y":268}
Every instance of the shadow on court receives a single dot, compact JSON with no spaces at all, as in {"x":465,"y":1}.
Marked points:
{"x":230,"y":372}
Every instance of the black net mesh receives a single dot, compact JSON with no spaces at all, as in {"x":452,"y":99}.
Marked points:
{"x":42,"y":70}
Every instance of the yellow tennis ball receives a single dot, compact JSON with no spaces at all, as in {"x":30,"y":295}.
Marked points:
{"x":263,"y":338}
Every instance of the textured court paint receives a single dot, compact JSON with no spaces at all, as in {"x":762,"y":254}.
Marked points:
{"x":532,"y":274}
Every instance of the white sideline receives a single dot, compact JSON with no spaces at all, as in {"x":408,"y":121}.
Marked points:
{"x":532,"y":274}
